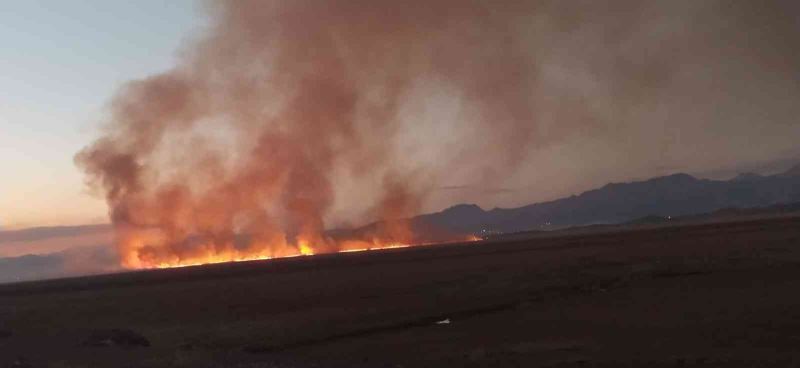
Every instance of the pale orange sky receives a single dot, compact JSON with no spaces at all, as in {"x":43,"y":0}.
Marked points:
{"x":58,"y":72}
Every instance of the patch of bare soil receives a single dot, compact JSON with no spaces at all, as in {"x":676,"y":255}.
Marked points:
{"x":684,"y":296}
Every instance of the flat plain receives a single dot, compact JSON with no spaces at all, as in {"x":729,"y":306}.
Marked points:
{"x":721,"y":294}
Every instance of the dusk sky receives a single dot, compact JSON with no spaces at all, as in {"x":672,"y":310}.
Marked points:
{"x":719,"y":100}
{"x":61,"y":61}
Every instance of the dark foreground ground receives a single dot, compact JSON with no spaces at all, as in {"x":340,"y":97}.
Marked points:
{"x":701,"y":295}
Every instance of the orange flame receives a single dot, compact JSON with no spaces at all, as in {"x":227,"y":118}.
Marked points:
{"x":239,"y":150}
{"x":149,"y":249}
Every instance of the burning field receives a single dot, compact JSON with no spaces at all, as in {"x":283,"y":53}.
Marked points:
{"x":284,"y":113}
{"x":204,"y":253}
{"x":283,"y":119}
{"x":291,"y":128}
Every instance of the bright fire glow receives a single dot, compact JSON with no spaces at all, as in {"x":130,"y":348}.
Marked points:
{"x":140,"y":255}
{"x":304,"y":248}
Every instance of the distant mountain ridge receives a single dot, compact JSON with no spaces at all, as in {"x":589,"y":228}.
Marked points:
{"x":654,"y":201}
{"x":615,"y":203}
{"x":672,"y":195}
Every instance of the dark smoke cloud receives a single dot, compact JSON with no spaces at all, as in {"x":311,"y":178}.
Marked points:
{"x":290,"y":116}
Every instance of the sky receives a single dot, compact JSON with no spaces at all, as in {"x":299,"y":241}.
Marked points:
{"x":61,"y":61}
{"x":620,"y":93}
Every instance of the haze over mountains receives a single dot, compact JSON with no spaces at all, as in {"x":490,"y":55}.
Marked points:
{"x":673,"y":195}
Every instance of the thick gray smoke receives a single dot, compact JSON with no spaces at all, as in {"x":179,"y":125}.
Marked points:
{"x":288,"y":117}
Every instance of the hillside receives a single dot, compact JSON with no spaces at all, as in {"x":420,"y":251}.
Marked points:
{"x":667,"y":196}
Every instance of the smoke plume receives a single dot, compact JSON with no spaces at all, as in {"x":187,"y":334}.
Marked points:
{"x":287,"y":117}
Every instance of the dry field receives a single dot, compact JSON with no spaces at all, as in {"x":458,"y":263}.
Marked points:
{"x":691,"y":295}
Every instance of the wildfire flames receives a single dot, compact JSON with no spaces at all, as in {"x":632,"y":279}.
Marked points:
{"x":144,"y":253}
{"x":285,"y":119}
{"x":287,"y":113}
{"x":228,"y":253}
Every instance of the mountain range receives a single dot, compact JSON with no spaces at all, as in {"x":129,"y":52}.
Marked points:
{"x":666,"y":196}
{"x":650,"y":201}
